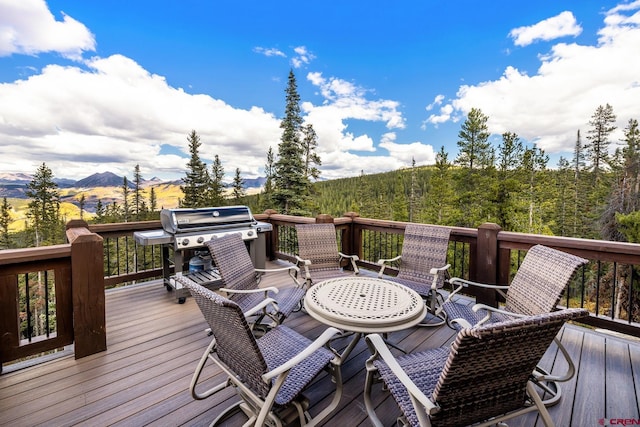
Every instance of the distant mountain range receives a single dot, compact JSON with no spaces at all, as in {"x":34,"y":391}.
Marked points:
{"x":14,"y":185}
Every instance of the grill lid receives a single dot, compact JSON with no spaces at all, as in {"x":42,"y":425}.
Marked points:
{"x":188,"y":220}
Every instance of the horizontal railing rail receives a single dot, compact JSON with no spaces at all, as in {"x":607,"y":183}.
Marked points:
{"x":64,"y":277}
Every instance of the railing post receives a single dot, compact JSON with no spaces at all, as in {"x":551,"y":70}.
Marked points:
{"x":87,"y":284}
{"x":354,"y":241}
{"x":271,"y":242}
{"x":324,"y":219}
{"x":487,"y":262}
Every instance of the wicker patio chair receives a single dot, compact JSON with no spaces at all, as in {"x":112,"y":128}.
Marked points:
{"x":241,"y":280}
{"x":536,"y":288}
{"x":423,"y":265}
{"x":483,"y":377}
{"x":318,"y":253}
{"x":268,"y":373}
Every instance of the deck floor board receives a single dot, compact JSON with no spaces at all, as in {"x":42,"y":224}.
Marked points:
{"x":154,"y":344}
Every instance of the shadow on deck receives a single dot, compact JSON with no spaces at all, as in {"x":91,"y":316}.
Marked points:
{"x":154,"y":344}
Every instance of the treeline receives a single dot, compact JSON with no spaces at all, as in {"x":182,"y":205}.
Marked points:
{"x":591,"y":195}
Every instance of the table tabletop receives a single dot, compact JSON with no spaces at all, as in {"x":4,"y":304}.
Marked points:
{"x":364,"y":304}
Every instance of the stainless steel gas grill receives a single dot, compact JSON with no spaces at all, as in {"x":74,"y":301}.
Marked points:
{"x":185,"y":231}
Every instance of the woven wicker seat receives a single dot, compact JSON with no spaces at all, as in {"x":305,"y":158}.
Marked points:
{"x":536,"y":288}
{"x":483,"y":377}
{"x":241,"y":279}
{"x":423,"y":264}
{"x":270,"y":372}
{"x":318,"y":253}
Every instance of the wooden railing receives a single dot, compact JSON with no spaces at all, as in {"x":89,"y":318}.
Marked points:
{"x":53,"y":296}
{"x":73,"y":276}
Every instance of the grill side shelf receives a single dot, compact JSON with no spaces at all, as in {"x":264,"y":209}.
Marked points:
{"x":208,"y":278}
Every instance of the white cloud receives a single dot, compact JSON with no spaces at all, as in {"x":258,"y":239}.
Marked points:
{"x":116,"y":115}
{"x":571,"y":82}
{"x":303,"y":57}
{"x":560,"y":25}
{"x":28,"y":27}
{"x":406,"y":153}
{"x":437,"y":101}
{"x":338,"y":146}
{"x":272,"y":51}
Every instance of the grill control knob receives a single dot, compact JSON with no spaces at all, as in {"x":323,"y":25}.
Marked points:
{"x":250,"y":233}
{"x":185,"y":242}
{"x":200,"y":239}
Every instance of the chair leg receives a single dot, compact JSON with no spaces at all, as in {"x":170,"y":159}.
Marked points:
{"x":542,"y":409}
{"x":435,"y":316}
{"x":198,"y":371}
{"x":368,"y":385}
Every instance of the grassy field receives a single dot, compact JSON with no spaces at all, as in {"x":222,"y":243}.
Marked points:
{"x":167,"y":195}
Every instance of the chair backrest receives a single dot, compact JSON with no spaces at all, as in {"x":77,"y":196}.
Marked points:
{"x":538,"y":284}
{"x":423,"y":248}
{"x":230,"y":255}
{"x":488,"y":367}
{"x":318,"y":243}
{"x":236,"y":346}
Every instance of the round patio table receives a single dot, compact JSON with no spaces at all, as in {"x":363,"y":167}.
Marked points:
{"x":364,"y":305}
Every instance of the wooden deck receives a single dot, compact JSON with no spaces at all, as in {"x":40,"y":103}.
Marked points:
{"x":154,"y":344}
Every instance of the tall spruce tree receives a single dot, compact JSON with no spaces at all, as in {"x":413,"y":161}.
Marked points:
{"x":5,"y":221}
{"x":310,"y":156}
{"x":291,"y":185}
{"x":217,"y":186}
{"x":473,"y":141}
{"x":564,"y":197}
{"x":196,"y":182}
{"x":238,"y":185}
{"x":602,"y":124}
{"x":138,"y":197}
{"x":266,"y":197}
{"x":126,"y":205}
{"x":44,"y":208}
{"x":153,"y":203}
{"x":81,"y":204}
{"x":509,"y":158}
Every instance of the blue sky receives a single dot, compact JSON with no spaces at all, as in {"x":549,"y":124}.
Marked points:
{"x":94,"y":86}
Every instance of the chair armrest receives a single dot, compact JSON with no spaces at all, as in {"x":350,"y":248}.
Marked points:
{"x":302,"y":261}
{"x":352,"y":259}
{"x":250,"y":291}
{"x":463,"y":283}
{"x":489,"y":309}
{"x":293,"y":271}
{"x":383,"y":263}
{"x":435,"y":271}
{"x":381,"y":350}
{"x":305,"y":263}
{"x":261,"y":307}
{"x":308,"y":351}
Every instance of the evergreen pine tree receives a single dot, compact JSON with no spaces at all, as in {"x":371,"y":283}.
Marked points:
{"x":238,"y":185}
{"x":602,"y":124}
{"x":138,"y":199}
{"x":5,"y":221}
{"x":153,"y":203}
{"x":311,"y":158}
{"x":291,"y":186}
{"x":196,"y":181}
{"x":100,"y":212}
{"x":126,"y":207}
{"x":81,"y":204}
{"x":43,"y":209}
{"x":217,"y":186}
{"x":266,"y":197}
{"x":475,"y":149}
